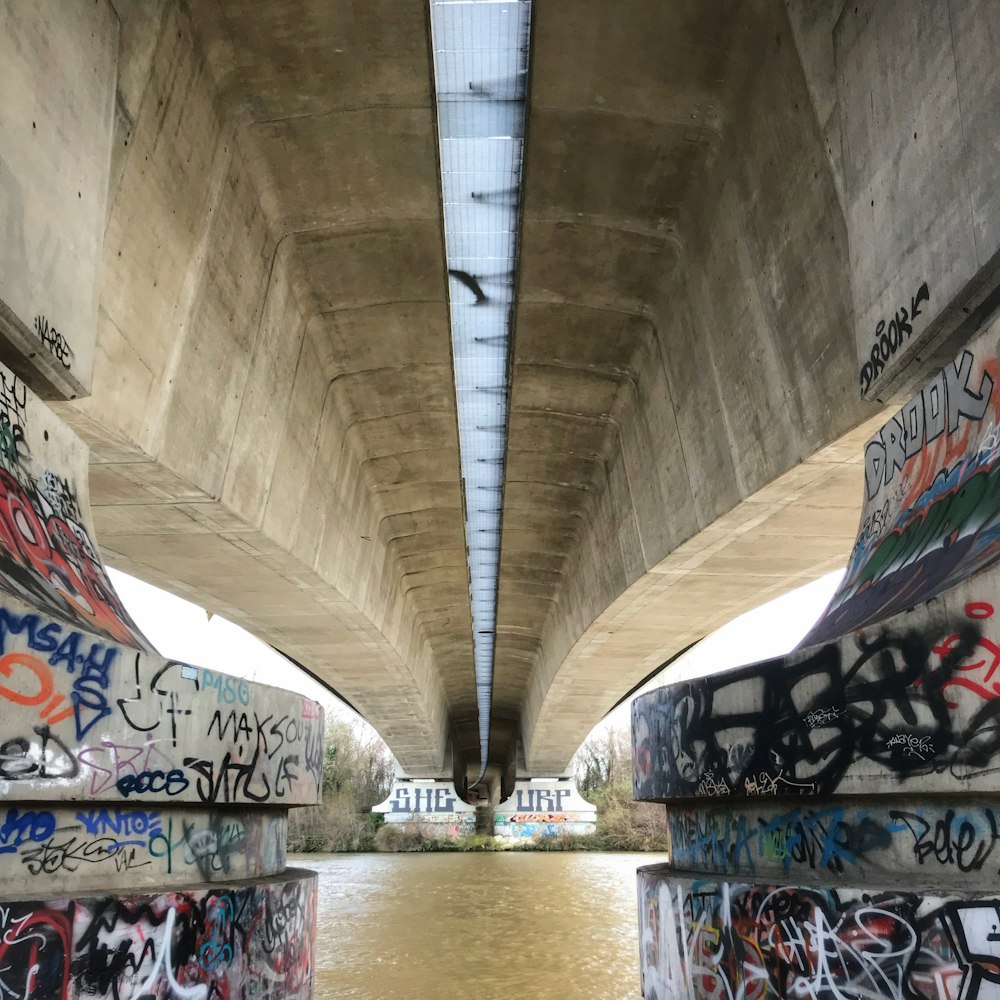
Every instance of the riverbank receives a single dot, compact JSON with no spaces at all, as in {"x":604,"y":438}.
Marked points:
{"x":622,"y":825}
{"x":399,"y":838}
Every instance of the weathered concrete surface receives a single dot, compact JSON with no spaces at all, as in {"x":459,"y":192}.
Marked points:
{"x":911,"y":145}
{"x":681,"y":340}
{"x":790,"y":532}
{"x":57,"y":74}
{"x":272,"y":421}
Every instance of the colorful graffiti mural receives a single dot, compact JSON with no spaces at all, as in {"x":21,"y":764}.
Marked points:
{"x":235,"y":941}
{"x":84,"y":715}
{"x":702,"y":938}
{"x":932,"y":496}
{"x":913,"y":701}
{"x":48,"y":556}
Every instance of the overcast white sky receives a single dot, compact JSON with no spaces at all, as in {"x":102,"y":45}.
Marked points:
{"x":183,"y":631}
{"x":770,"y":630}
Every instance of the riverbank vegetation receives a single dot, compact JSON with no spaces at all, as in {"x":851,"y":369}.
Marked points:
{"x":357,"y":774}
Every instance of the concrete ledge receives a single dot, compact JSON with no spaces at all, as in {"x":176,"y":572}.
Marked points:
{"x":889,"y":841}
{"x":54,"y":849}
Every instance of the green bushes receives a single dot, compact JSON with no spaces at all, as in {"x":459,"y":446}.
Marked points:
{"x":603,"y":766}
{"x":400,"y":837}
{"x":357,"y":774}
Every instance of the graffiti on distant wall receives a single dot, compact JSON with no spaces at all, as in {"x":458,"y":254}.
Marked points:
{"x":225,"y":943}
{"x":422,"y":799}
{"x":902,"y":701}
{"x":702,"y":939}
{"x":932,"y":497}
{"x":544,"y":808}
{"x":840,"y":839}
{"x":432,"y":805}
{"x":78,"y":709}
{"x":47,"y":556}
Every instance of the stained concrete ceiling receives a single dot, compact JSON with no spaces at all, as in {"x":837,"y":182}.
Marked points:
{"x":273,"y":418}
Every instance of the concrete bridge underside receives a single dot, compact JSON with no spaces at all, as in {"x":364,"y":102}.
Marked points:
{"x":273,"y":419}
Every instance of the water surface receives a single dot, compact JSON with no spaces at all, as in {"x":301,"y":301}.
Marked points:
{"x":478,"y":926}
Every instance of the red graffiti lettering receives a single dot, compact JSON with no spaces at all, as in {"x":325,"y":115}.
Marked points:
{"x":53,"y":564}
{"x":37,"y":671}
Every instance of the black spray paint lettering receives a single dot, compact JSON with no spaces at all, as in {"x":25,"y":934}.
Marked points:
{"x":57,"y":344}
{"x":22,"y":759}
{"x":889,"y":338}
{"x":892,"y":685}
{"x":13,"y":403}
{"x":949,"y":840}
{"x":939,"y":407}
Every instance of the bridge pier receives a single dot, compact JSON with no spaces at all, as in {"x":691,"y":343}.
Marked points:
{"x":143,"y":826}
{"x":834,"y":813}
{"x":430,"y":806}
{"x":144,"y":801}
{"x":537,"y":807}
{"x":543,"y":807}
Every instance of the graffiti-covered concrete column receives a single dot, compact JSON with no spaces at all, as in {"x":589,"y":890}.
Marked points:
{"x":834,"y":813}
{"x":144,"y":801}
{"x":142,"y":831}
{"x":429,"y":806}
{"x":544,"y":807}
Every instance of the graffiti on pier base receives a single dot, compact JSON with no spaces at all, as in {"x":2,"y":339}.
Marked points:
{"x":782,"y":839}
{"x":69,"y":847}
{"x":240,"y":940}
{"x":770,"y":942}
{"x":916,"y":697}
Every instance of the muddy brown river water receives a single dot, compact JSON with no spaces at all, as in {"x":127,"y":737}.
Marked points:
{"x":477,"y":926}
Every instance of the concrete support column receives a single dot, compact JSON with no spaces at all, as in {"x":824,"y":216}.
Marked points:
{"x":834,"y":812}
{"x":544,"y":807}
{"x":430,"y":806}
{"x":143,"y":825}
